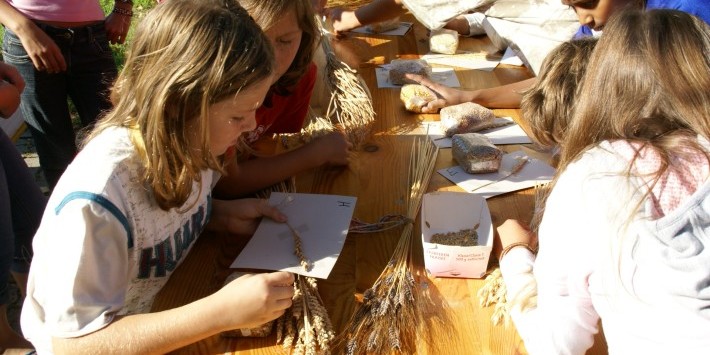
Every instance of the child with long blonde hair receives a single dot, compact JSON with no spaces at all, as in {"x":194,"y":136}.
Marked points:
{"x":131,"y":205}
{"x":625,"y":232}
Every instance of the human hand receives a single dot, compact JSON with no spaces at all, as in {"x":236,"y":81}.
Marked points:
{"x":332,"y":149}
{"x":10,"y":74}
{"x":117,"y":26}
{"x":446,"y":96}
{"x":252,"y":300}
{"x":43,"y":52}
{"x":241,"y":216}
{"x":9,"y":99}
{"x":11,"y":85}
{"x":343,"y":20}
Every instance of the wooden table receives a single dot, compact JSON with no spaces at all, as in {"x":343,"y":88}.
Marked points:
{"x":378,"y":178}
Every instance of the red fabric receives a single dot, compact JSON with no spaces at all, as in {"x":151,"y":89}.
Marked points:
{"x":285,"y":114}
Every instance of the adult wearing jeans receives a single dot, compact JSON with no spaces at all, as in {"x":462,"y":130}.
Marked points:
{"x":61,"y":49}
{"x":21,"y":207}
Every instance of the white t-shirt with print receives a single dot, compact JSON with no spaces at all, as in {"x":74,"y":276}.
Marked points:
{"x":104,"y":247}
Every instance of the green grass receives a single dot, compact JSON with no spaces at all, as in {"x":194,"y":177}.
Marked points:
{"x":140,"y":7}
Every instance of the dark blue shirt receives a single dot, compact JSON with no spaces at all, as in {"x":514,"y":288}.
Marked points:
{"x":699,"y":8}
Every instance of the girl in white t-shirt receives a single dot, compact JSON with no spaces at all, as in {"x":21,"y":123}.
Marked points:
{"x":131,"y":205}
{"x":625,"y":232}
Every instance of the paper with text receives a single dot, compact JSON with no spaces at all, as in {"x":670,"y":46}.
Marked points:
{"x":533,"y":173}
{"x":322,"y":221}
{"x":443,"y":76}
{"x":478,"y":61}
{"x":509,"y":134}
{"x":401,"y":30}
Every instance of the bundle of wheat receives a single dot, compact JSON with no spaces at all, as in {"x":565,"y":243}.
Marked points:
{"x":316,"y":127}
{"x":494,"y":290}
{"x":350,"y":103}
{"x":305,"y":328}
{"x":400,"y":306}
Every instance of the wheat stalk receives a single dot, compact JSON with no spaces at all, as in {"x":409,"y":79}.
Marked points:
{"x":399,"y":304}
{"x":305,"y":328}
{"x":350,"y":102}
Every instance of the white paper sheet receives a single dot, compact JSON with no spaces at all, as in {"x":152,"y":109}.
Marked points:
{"x":510,"y":58}
{"x":399,"y":31}
{"x":533,"y":173}
{"x":322,"y":222}
{"x":444,"y":76}
{"x":462,"y":59}
{"x":510,"y":134}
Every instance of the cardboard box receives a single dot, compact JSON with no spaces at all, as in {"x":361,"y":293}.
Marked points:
{"x":444,"y":212}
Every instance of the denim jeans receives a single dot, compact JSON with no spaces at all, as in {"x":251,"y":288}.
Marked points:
{"x":21,"y":207}
{"x":90,"y":72}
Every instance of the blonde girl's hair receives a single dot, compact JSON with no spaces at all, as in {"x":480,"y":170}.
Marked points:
{"x":266,"y":13}
{"x":548,"y":105}
{"x":186,"y":55}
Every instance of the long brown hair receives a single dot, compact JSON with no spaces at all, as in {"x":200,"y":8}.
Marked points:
{"x":267,"y":12}
{"x":186,"y":55}
{"x":547,"y":107}
{"x":647,"y":82}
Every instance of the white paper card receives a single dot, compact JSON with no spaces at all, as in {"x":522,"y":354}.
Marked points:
{"x":444,"y":76}
{"x":399,"y":31}
{"x":510,"y":58}
{"x":322,"y":221}
{"x":533,"y":173}
{"x":462,"y":59}
{"x":509,"y":134}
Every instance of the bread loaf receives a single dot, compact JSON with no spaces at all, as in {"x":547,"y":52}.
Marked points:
{"x":444,"y":41}
{"x":415,"y":96}
{"x":466,"y":118}
{"x":400,"y":67}
{"x":475,"y":153}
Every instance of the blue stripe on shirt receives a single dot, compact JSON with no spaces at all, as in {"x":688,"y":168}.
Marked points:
{"x":105,"y":203}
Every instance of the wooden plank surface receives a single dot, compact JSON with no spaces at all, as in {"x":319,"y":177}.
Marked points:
{"x":378,"y":178}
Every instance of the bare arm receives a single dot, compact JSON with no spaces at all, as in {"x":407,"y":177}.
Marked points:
{"x":376,"y":11}
{"x":246,"y":302}
{"x":504,"y":96}
{"x":255,"y":174}
{"x":11,"y":86}
{"x":43,"y":52}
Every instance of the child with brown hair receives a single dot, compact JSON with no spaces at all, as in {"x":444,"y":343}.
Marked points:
{"x":624,"y":231}
{"x":291,"y":28}
{"x":547,"y":107}
{"x":129,"y":208}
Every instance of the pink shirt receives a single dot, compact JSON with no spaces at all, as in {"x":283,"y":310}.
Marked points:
{"x":60,"y":10}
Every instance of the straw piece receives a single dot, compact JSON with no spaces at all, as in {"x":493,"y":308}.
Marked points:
{"x":400,"y":307}
{"x":350,"y":104}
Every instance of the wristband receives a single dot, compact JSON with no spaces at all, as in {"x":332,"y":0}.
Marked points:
{"x":514,"y":245}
